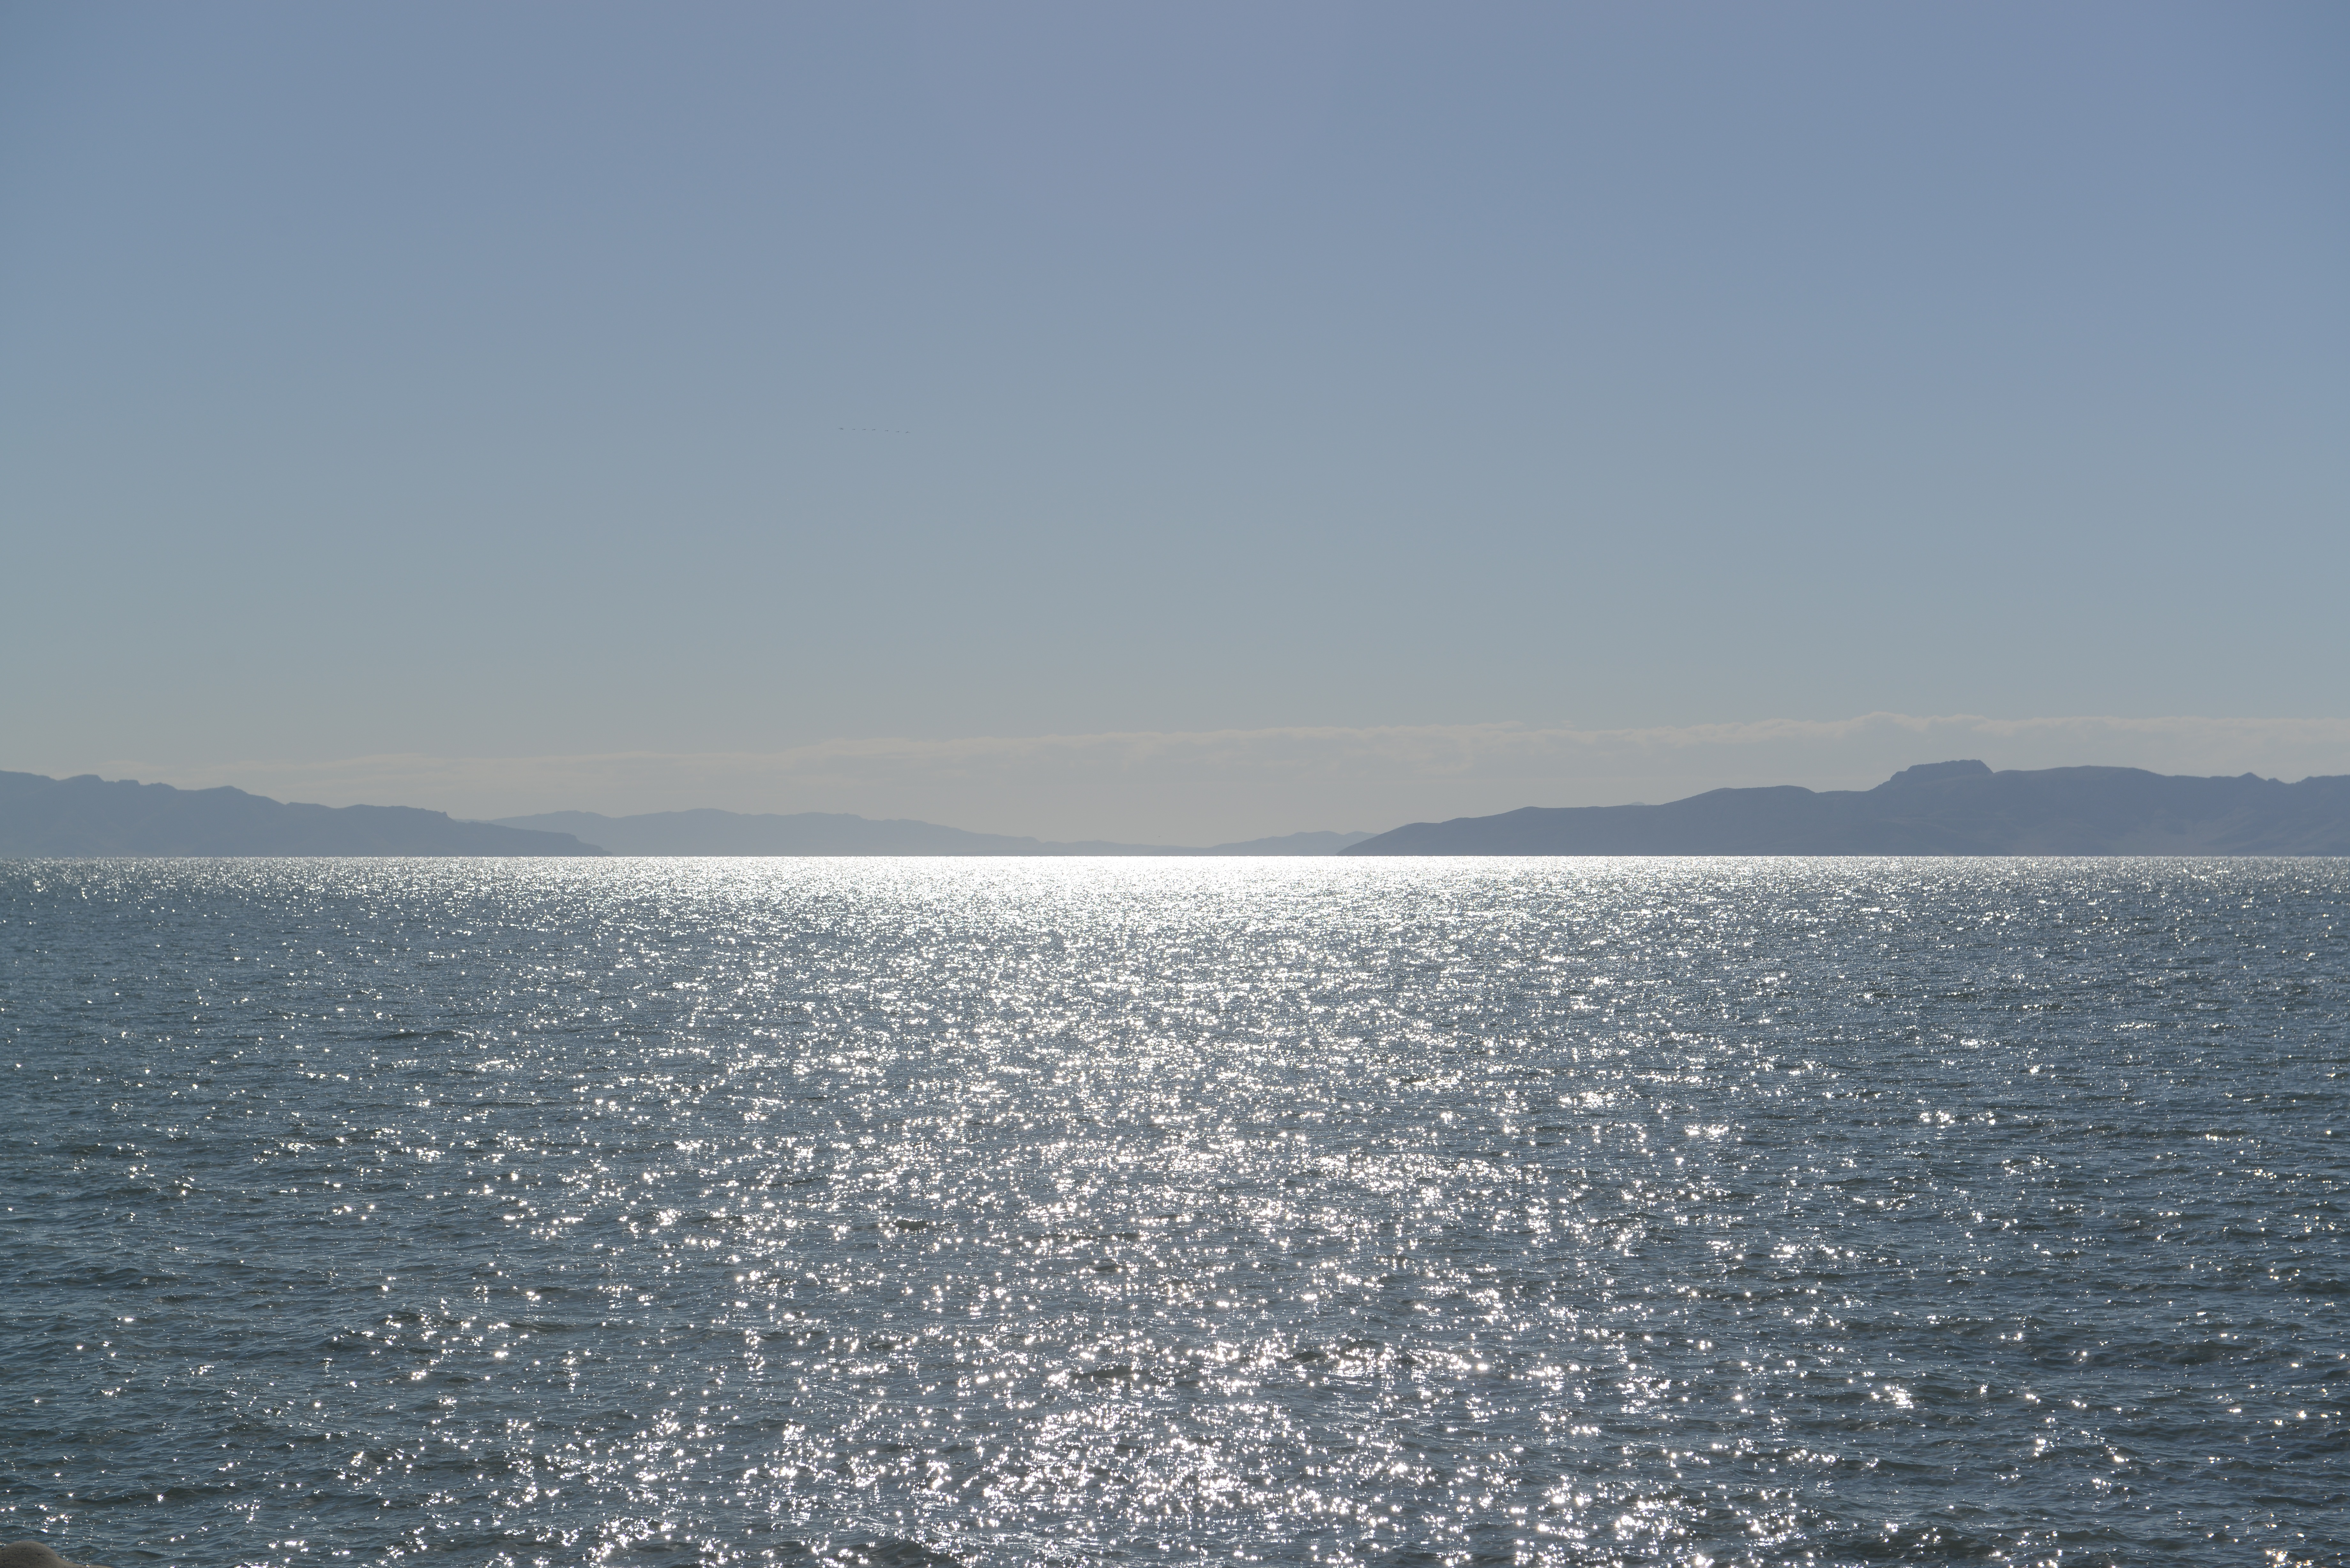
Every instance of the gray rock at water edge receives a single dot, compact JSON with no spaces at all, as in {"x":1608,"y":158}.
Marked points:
{"x":34,"y":1555}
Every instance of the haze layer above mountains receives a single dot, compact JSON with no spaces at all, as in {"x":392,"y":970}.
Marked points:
{"x":835,"y":833}
{"x":1940,"y":808}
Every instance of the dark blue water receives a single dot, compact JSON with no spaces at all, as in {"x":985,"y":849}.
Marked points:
{"x":1061,"y":1211}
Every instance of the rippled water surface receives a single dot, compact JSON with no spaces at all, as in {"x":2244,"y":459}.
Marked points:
{"x":1489,"y":1211}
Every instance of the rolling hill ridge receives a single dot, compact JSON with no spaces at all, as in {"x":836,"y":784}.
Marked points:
{"x":87,"y":815}
{"x":1936,"y":808}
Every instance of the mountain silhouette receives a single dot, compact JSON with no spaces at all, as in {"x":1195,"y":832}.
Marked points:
{"x":1937,"y":808}
{"x":708,"y":832}
{"x":87,"y":815}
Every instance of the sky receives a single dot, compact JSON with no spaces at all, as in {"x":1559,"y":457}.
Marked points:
{"x":1167,"y":423}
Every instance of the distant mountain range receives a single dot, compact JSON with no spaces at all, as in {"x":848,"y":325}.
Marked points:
{"x":44,"y":817}
{"x":1938,"y":808}
{"x":830,"y":833}
{"x":89,"y":815}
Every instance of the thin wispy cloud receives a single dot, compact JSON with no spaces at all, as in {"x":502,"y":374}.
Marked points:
{"x":1213,"y":786}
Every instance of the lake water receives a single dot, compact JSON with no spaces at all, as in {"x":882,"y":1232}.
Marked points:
{"x":1137,"y":1212}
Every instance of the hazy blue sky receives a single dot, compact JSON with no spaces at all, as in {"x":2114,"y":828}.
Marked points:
{"x":513,"y":380}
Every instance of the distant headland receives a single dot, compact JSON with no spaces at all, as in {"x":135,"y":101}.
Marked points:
{"x":87,"y":815}
{"x":1938,"y":808}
